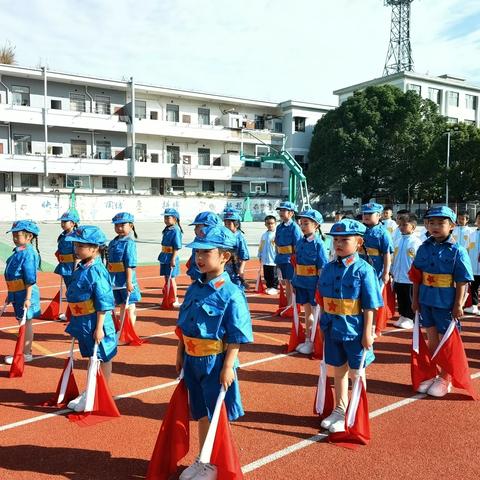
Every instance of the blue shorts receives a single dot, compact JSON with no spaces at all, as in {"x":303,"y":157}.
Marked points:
{"x":339,"y":352}
{"x":121,"y":296}
{"x":305,"y":295}
{"x":202,"y":377}
{"x":287,"y":270}
{"x":435,"y":317}
{"x":166,"y":269}
{"x":17,"y":299}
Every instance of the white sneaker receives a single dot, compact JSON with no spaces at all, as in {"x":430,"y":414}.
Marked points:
{"x":399,"y":321}
{"x":425,"y":385}
{"x":62,"y":317}
{"x":305,"y":348}
{"x":27,"y":357}
{"x":176,"y":304}
{"x":439,"y":388}
{"x":272,"y":291}
{"x":406,"y":323}
{"x":207,"y":472}
{"x":337,"y":414}
{"x":473,"y":310}
{"x":76,"y":401}
{"x":191,"y":471}
{"x":299,"y":346}
{"x":338,"y":426}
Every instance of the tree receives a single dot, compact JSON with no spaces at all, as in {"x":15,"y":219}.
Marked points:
{"x":375,"y":142}
{"x":7,"y":54}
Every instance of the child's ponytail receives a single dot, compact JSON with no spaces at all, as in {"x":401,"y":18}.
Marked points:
{"x":35,"y":243}
{"x":134,"y":231}
{"x":179,"y":226}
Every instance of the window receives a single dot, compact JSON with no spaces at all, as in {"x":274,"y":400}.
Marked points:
{"x":469,"y":122}
{"x":153,"y":115}
{"x":208,"y":186}
{"x":452,"y":120}
{"x":22,"y":144}
{"x":434,"y":95}
{"x":141,"y":152}
{"x":56,"y":150}
{"x":204,"y":156}
{"x":415,"y":88}
{"x":110,"y":182}
{"x":140,"y":109}
{"x":102,"y":104}
{"x":78,"y":148}
{"x":217,"y":162}
{"x":28,"y":180}
{"x":56,"y":104}
{"x":471,"y":102}
{"x":453,"y":99}
{"x":236,"y":187}
{"x":77,"y":102}
{"x":204,"y":116}
{"x":173,"y":154}
{"x":278,"y":127}
{"x":104,"y":149}
{"x":20,"y":96}
{"x":172,"y":113}
{"x":299,"y":124}
{"x":259,"y":122}
{"x":156,"y":186}
{"x":178,"y":185}
{"x":300,"y":159}
{"x":78,"y":181}
{"x":154,"y":157}
{"x":253,"y":164}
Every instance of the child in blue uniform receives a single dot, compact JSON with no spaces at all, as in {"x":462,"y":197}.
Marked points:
{"x":351,"y":293}
{"x":236,"y":268}
{"x":21,"y":278}
{"x":440,"y":273}
{"x":203,"y":219}
{"x":171,"y":244}
{"x":90,"y":298}
{"x":214,"y":320}
{"x":311,"y":258}
{"x":122,"y":263}
{"x":287,"y":235}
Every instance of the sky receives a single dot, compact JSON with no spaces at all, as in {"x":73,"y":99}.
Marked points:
{"x":271,"y":50}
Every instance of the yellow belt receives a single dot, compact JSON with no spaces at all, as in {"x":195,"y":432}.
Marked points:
{"x":66,"y":258}
{"x":167,"y":249}
{"x":306,"y":270}
{"x":442,"y":280}
{"x":285,"y":249}
{"x":82,"y":308}
{"x":16,"y":285}
{"x":373,"y":252}
{"x":201,"y":347}
{"x":341,"y":306}
{"x":116,"y":267}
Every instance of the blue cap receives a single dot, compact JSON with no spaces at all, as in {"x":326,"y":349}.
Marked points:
{"x":123,"y":217}
{"x":87,"y":234}
{"x":372,"y":207}
{"x":217,"y":236}
{"x":312,"y":214}
{"x":287,"y":206}
{"x":171,"y":212}
{"x":26,"y":225}
{"x":231,"y":213}
{"x":206,"y":218}
{"x":442,"y":211}
{"x":347,"y":227}
{"x":70,"y":216}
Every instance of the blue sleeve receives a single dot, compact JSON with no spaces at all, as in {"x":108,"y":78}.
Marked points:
{"x":322,"y":258}
{"x":243,"y":253}
{"x":29,"y":268}
{"x":238,"y":325}
{"x":462,"y":271}
{"x":177,"y":240}
{"x":371,"y":295}
{"x":297,"y":233}
{"x":130,"y":257}
{"x":102,"y":294}
{"x":386,"y":243}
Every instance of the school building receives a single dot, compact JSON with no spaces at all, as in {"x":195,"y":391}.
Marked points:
{"x":59,"y":131}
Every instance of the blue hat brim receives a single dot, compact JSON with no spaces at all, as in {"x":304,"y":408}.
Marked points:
{"x":116,"y":222}
{"x":316,"y":220}
{"x":206,"y":246}
{"x":439,"y":215}
{"x":371,"y":211}
{"x":345,"y":234}
{"x":20,"y":229}
{"x":77,"y":239}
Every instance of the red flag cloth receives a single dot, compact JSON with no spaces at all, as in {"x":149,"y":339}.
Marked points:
{"x":173,"y":440}
{"x":53,"y":310}
{"x":319,"y":298}
{"x":116,"y":321}
{"x":451,"y":357}
{"x":327,"y":405}
{"x":468,"y":301}
{"x":383,"y":312}
{"x":179,"y":333}
{"x":415,"y":274}
{"x":421,"y":366}
{"x":18,"y":363}
{"x":359,"y":433}
{"x":282,"y":299}
{"x":224,"y":454}
{"x":128,"y":334}
{"x":70,"y":393}
{"x":57,"y":255}
{"x":104,"y":407}
{"x":259,"y":288}
{"x":189,"y":263}
{"x":168,"y":296}
{"x":390,"y":295}
{"x":68,"y":314}
{"x":295,"y":339}
{"x":293,"y":261}
{"x":317,"y":343}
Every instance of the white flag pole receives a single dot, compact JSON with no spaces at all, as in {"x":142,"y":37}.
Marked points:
{"x":92,"y":380}
{"x":355,"y":398}
{"x":66,"y":374}
{"x":122,"y":321}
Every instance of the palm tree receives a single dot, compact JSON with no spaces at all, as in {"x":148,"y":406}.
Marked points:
{"x":7,"y":54}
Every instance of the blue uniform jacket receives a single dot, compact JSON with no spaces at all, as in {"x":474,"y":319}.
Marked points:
{"x":286,"y":234}
{"x":23,"y":265}
{"x":447,"y":257}
{"x":348,"y":278}
{"x":216,"y":310}
{"x":65,"y":269}
{"x":123,"y":249}
{"x":241,"y":250}
{"x":172,"y":237}
{"x":378,"y":242}
{"x":309,"y":251}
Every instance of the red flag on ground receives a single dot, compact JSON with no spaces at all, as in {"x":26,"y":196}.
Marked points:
{"x":104,"y":407}
{"x":224,"y":454}
{"x":450,"y":356}
{"x":282,"y":299}
{"x":67,"y":388}
{"x":421,"y":366}
{"x":116,"y":321}
{"x":128,"y":334}
{"x":297,"y":332}
{"x":468,"y":301}
{"x":68,"y":314}
{"x":174,"y":437}
{"x":259,"y":288}
{"x":18,"y":362}
{"x":323,"y":403}
{"x":53,"y":310}
{"x":390,"y":296}
{"x":382,"y":316}
{"x":317,"y":343}
{"x":168,"y":295}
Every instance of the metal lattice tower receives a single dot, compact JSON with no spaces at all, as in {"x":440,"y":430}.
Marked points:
{"x":399,"y":55}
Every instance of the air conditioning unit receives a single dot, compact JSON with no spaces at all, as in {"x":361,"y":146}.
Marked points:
{"x":77,"y":183}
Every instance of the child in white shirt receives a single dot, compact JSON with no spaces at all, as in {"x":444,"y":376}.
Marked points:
{"x":266,"y":255}
{"x":461,"y":233}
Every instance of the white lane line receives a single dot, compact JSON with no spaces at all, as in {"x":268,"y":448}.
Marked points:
{"x":321,"y":436}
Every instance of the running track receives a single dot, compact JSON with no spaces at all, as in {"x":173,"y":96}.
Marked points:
{"x":278,"y":437}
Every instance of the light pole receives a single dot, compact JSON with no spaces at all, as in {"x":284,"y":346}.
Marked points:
{"x":448,"y":166}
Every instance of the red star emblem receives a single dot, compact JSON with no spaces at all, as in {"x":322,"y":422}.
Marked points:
{"x":109,"y":266}
{"x":310,"y":270}
{"x":191,"y":346}
{"x":430,"y":279}
{"x":78,"y":309}
{"x":332,"y":306}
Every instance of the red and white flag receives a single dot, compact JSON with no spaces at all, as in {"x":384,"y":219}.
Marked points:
{"x":422,"y":367}
{"x":168,"y":295}
{"x":324,"y":403}
{"x":53,"y":310}
{"x":315,"y":335}
{"x":18,"y":361}
{"x":383,"y":313}
{"x":450,"y":356}
{"x":297,"y":332}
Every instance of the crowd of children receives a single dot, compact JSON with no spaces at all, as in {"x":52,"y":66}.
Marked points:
{"x":429,"y":277}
